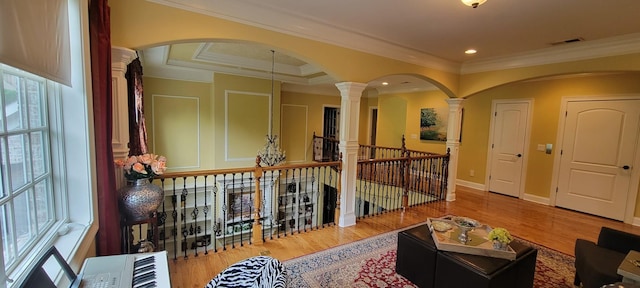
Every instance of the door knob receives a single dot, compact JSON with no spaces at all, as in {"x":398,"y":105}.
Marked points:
{"x":626,"y":167}
{"x":519,"y":155}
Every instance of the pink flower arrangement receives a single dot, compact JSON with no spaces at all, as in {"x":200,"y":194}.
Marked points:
{"x":143,"y":166}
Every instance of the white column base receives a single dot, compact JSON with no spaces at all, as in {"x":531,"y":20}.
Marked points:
{"x":347,"y":220}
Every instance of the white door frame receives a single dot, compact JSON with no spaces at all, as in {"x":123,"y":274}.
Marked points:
{"x":527,"y":140}
{"x":635,"y":171}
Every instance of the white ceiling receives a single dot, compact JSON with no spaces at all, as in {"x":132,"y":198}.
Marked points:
{"x":433,"y":33}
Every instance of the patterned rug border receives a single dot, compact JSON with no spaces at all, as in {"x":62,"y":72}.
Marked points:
{"x":356,"y":242}
{"x":301,"y":268}
{"x":543,"y":246}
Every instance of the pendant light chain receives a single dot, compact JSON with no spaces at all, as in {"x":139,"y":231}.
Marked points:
{"x":273,"y":61}
{"x":271,"y":155}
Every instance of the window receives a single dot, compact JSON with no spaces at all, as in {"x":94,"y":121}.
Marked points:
{"x":47,"y":192}
{"x":26,"y":197}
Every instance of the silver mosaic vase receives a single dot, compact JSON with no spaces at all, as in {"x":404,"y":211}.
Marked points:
{"x":139,"y":199}
{"x":500,"y":245}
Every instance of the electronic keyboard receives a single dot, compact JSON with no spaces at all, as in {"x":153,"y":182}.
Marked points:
{"x":144,"y":270}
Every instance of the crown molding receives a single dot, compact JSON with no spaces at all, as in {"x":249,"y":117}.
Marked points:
{"x":319,"y":31}
{"x":614,"y":46}
{"x":325,"y":90}
{"x":406,"y":89}
{"x":203,"y":54}
{"x":314,"y":30}
{"x":178,"y":73}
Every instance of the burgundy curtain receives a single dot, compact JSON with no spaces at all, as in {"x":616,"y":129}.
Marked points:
{"x":108,"y":238}
{"x":137,"y":127}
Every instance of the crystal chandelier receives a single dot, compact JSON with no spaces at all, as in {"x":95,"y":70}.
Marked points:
{"x":271,"y":155}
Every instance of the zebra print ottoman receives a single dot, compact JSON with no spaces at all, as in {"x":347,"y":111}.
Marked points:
{"x":254,"y":272}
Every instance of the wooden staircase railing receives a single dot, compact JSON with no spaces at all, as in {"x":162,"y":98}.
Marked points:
{"x":218,"y":209}
{"x":391,"y":178}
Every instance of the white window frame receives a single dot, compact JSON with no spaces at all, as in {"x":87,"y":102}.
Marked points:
{"x":72,"y":158}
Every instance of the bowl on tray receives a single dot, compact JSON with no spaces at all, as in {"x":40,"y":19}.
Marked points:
{"x":465,"y":225}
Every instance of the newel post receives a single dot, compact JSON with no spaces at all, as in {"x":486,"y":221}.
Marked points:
{"x":257,"y":203}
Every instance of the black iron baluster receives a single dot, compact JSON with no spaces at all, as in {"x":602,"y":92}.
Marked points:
{"x":251,"y":209}
{"x":161,"y":220}
{"x":315,"y":193}
{"x":174,"y":215}
{"x":218,"y":227}
{"x":183,"y":203}
{"x":273,"y":193}
{"x":224,"y":213}
{"x":233,"y":211}
{"x":194,"y":213}
{"x":205,"y":211}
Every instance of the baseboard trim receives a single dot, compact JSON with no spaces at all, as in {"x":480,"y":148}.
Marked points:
{"x":537,"y":199}
{"x":527,"y":197}
{"x":472,"y":185}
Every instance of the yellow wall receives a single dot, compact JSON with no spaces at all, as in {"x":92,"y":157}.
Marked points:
{"x":293,"y":103}
{"x":243,"y":120}
{"x":174,"y":129}
{"x":547,"y":96}
{"x":366,"y":103}
{"x":476,"y":82}
{"x":392,"y":119}
{"x":189,"y":122}
{"x":399,"y":114}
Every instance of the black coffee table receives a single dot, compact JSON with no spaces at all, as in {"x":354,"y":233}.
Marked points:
{"x":422,"y":263}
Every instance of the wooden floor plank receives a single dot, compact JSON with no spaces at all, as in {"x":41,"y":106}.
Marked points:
{"x":552,"y":227}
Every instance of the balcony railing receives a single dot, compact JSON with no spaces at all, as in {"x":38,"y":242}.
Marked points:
{"x":220,"y":209}
{"x":216,"y":210}
{"x":325,"y":149}
{"x":397,"y":183}
{"x":392,"y":178}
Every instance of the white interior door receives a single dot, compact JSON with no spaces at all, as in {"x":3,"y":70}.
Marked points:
{"x":598,"y":151}
{"x":510,"y":125}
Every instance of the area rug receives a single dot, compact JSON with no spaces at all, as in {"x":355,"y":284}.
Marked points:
{"x":372,"y":262}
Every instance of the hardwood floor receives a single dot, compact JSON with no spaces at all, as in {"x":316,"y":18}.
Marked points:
{"x":555,"y":228}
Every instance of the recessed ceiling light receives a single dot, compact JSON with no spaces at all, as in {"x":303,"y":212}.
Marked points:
{"x":385,"y":83}
{"x":470,"y":51}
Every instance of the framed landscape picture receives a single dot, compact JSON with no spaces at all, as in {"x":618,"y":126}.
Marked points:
{"x":433,"y":124}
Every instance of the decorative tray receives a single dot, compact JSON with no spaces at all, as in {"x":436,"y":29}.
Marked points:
{"x":446,"y":234}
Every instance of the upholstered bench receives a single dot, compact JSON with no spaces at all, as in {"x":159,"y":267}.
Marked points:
{"x":416,"y":258}
{"x":465,"y":270}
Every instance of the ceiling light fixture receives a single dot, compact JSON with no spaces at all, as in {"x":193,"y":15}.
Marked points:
{"x":271,"y":155}
{"x":470,"y":51}
{"x":473,"y":3}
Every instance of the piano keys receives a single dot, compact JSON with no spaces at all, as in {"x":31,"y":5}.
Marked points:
{"x":130,"y":270}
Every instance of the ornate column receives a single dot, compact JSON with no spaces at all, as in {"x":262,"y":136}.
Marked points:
{"x":120,"y":58}
{"x":453,"y":144}
{"x":349,"y":118}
